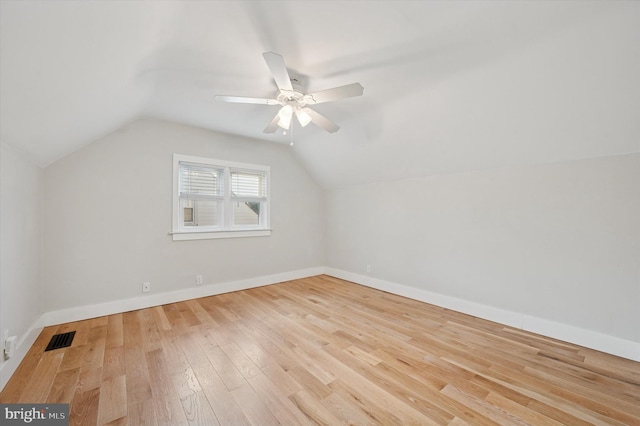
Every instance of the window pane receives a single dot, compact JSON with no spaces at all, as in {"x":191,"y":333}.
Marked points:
{"x":200,"y":180}
{"x":200,"y":212}
{"x":246,"y":213}
{"x":188,"y":214}
{"x":248,"y":184}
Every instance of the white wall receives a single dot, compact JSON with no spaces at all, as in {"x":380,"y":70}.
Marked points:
{"x":21,"y":185}
{"x":559,"y":242}
{"x":108,"y":214}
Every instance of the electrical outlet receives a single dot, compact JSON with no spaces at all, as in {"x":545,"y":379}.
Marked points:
{"x":146,"y":287}
{"x":10,"y":346}
{"x":6,"y":345}
{"x":368,"y":269}
{"x":198,"y":279}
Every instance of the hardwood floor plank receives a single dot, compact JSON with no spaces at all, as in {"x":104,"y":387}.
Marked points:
{"x":270,"y":343}
{"x":168,"y":407}
{"x":311,"y":407}
{"x":376,"y":414}
{"x":320,"y":350}
{"x":281,"y":407}
{"x":556,"y":414}
{"x":84,"y":408}
{"x":200,"y":313}
{"x":487,"y":413}
{"x":253,"y":407}
{"x":540,"y":391}
{"x":63,"y":387}
{"x":115,"y":335}
{"x":225,"y":407}
{"x":114,"y":363}
{"x":187,"y":314}
{"x":141,"y":413}
{"x":527,"y":415}
{"x":138,"y":381}
{"x":151,"y":339}
{"x":161,"y":318}
{"x":354,"y":381}
{"x":73,"y":357}
{"x":186,"y":383}
{"x":405,"y":389}
{"x":83,"y":331}
{"x":197,"y":410}
{"x":311,"y":383}
{"x":89,"y":379}
{"x":241,"y":361}
{"x":172,"y":313}
{"x":173,"y":355}
{"x":99,"y":322}
{"x":112,"y":403}
{"x":252,"y":350}
{"x":224,"y":367}
{"x":344,"y":411}
{"x":284,"y":382}
{"x":94,"y":353}
{"x":46,"y":370}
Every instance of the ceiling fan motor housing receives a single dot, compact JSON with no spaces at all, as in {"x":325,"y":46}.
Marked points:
{"x":291,"y":97}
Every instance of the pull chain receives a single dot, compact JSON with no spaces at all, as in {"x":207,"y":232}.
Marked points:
{"x":291,"y":133}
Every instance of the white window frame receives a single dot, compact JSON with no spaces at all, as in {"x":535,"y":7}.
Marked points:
{"x":180,"y":232}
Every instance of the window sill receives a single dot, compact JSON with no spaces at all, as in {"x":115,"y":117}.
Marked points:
{"x":204,"y":235}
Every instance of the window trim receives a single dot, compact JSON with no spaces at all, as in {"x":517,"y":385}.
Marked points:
{"x":227,"y":230}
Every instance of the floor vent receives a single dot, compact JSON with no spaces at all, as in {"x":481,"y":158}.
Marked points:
{"x":60,"y":341}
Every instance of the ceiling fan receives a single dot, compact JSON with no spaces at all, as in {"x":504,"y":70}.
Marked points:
{"x":293,"y":100}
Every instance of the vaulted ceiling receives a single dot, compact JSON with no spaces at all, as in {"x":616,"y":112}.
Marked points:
{"x":449,"y":86}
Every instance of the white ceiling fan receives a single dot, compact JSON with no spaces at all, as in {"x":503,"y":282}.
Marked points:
{"x":293,"y":100}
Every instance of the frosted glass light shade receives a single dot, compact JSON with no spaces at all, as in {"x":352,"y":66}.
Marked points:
{"x":285,"y":114}
{"x":303,"y":117}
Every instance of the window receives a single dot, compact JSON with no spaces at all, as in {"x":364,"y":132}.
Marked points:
{"x":219,"y":199}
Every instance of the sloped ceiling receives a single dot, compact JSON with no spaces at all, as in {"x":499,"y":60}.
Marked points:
{"x":449,"y":86}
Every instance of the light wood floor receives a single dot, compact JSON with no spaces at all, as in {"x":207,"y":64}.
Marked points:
{"x":320,"y":350}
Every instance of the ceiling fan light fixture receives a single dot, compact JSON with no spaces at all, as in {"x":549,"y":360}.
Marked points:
{"x":285,"y":114}
{"x":291,"y":96}
{"x":303,"y":117}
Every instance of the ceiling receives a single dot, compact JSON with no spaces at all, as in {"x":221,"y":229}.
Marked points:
{"x":450,"y":86}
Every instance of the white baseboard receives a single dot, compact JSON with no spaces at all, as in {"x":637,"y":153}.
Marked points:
{"x":579,"y":336}
{"x":22,"y":347}
{"x":149,"y":300}
{"x":590,"y":339}
{"x":114,"y":307}
{"x":117,"y":306}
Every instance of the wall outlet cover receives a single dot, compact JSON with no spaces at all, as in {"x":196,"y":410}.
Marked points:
{"x":10,"y":346}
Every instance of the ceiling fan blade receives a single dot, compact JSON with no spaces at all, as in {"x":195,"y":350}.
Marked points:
{"x":321,"y":121}
{"x":348,"y":91}
{"x":244,"y":100}
{"x":278,"y":69}
{"x":273,"y":126}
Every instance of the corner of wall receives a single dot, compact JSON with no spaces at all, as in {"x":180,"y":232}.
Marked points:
{"x":21,"y":273}
{"x":9,"y":366}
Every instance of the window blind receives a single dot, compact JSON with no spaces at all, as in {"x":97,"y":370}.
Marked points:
{"x":247,"y":185}
{"x":200,"y":181}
